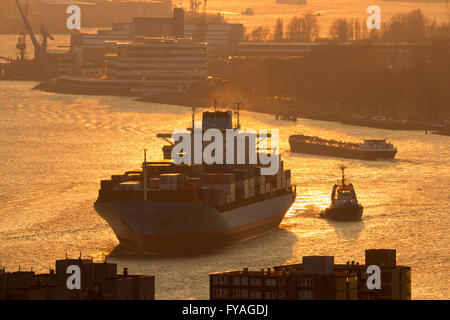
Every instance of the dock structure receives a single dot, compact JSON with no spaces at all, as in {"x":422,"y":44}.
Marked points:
{"x":301,"y":49}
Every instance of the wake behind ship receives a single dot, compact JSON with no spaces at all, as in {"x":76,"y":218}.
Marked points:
{"x":165,"y":207}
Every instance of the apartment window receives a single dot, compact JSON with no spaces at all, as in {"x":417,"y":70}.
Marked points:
{"x":244,"y":293}
{"x":282,"y":282}
{"x":386,"y":290}
{"x":255,"y":282}
{"x":236,"y":293}
{"x":220,"y":280}
{"x":270,"y":295}
{"x":271,"y":282}
{"x":281,"y":294}
{"x":220,"y":293}
{"x":305,"y":295}
{"x":386,"y":277}
{"x":255,"y":294}
{"x":236,"y":281}
{"x":244,"y":281}
{"x":306,"y":282}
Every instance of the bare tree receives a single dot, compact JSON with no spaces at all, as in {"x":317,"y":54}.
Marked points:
{"x":406,"y":27}
{"x":278,"y":33}
{"x":195,"y":5}
{"x":260,"y":34}
{"x":342,"y":30}
{"x":303,"y":28}
{"x":310,"y":26}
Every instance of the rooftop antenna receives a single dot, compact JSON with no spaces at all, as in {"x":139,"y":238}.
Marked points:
{"x":193,"y":118}
{"x":215,"y":113}
{"x":144,"y":171}
{"x":79,"y":256}
{"x":238,"y":104}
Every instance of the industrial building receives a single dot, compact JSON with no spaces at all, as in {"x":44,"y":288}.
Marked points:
{"x":99,"y":281}
{"x":94,"y":13}
{"x":89,"y":51}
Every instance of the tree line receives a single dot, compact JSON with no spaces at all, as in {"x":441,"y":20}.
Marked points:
{"x":411,"y":26}
{"x":357,"y":79}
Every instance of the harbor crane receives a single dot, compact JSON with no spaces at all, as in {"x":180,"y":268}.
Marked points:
{"x":40,"y":49}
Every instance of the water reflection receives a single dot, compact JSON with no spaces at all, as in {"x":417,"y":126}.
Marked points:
{"x":274,"y":238}
{"x":347,"y":230}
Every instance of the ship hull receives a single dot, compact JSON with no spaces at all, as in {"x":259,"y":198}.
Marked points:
{"x":344,"y":213}
{"x":89,"y":88}
{"x":312,"y":148}
{"x":180,"y":226}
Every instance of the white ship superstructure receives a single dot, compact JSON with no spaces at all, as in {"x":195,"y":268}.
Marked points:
{"x":159,"y":64}
{"x":142,"y":65}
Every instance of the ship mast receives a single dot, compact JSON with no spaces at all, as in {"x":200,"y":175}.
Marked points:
{"x":343,"y":175}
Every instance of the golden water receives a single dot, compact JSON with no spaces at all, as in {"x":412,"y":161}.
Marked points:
{"x":56,"y":148}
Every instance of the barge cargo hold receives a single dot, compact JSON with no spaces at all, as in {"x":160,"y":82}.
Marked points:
{"x":368,"y":150}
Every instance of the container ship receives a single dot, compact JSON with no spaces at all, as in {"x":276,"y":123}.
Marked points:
{"x":370,"y":149}
{"x":168,"y":207}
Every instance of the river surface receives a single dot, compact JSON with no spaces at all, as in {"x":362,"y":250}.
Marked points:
{"x":56,"y":148}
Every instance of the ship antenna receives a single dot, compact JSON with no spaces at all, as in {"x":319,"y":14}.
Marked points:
{"x":343,"y":174}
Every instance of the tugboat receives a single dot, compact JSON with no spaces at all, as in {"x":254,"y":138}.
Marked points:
{"x":344,"y":204}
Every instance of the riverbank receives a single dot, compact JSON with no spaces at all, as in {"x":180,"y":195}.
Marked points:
{"x":277,"y":109}
{"x":298,"y":110}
